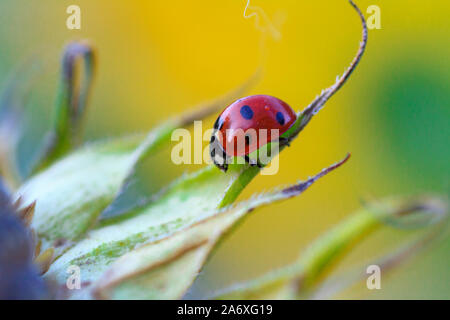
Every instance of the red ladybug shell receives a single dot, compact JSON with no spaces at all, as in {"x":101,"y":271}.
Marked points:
{"x":240,"y":127}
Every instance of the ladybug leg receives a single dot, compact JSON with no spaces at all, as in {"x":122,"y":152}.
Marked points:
{"x":253,"y":162}
{"x":222,"y":164}
{"x":223,"y":167}
{"x":285,"y":141}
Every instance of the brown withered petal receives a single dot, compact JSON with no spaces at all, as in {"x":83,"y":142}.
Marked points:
{"x":44,"y":260}
{"x":26,"y":214}
{"x":18,"y":203}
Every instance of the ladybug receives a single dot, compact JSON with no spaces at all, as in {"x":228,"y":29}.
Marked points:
{"x":248,"y":124}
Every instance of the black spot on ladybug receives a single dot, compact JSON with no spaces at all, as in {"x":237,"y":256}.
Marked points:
{"x":246,"y":112}
{"x":280,"y":118}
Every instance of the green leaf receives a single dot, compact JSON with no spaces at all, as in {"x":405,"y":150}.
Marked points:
{"x":174,"y":235}
{"x":303,"y":277}
{"x":71,"y":102}
{"x":71,"y":193}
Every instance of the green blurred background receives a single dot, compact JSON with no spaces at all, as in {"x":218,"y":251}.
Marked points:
{"x":159,"y":58}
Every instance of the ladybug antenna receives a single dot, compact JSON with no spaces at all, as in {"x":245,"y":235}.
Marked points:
{"x":326,"y":94}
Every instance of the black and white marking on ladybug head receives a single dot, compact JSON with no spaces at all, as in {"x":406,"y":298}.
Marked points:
{"x":218,"y":155}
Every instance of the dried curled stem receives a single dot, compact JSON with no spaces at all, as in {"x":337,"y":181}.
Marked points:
{"x":315,"y":106}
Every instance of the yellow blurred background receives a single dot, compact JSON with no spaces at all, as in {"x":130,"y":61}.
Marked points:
{"x":160,"y":58}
